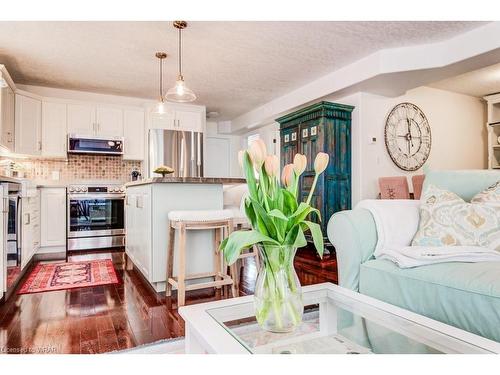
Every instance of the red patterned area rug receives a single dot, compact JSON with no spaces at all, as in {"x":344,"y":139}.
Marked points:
{"x":47,"y":277}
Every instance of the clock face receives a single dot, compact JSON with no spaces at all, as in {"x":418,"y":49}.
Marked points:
{"x":408,"y":136}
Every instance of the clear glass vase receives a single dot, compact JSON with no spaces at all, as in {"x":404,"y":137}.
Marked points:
{"x":278,"y":295}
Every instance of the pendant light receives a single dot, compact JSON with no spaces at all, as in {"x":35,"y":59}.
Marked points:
{"x":180,"y":93}
{"x":160,"y":107}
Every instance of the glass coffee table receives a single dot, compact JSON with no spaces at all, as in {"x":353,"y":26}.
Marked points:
{"x":336,"y":321}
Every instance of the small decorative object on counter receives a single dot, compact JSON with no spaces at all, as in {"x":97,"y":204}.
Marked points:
{"x":164,"y":170}
{"x":135,"y":175}
{"x":278,"y":224}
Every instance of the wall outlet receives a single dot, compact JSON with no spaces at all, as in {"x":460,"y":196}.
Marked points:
{"x":372,"y":140}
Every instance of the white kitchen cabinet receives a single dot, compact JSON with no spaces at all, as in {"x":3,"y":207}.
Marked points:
{"x":190,"y":121}
{"x":95,"y":120}
{"x":109,"y":121}
{"x":217,"y":161}
{"x":163,"y":121}
{"x":54,"y":129}
{"x":52,"y":219}
{"x":81,"y":119}
{"x":187,"y":118}
{"x":30,"y":239}
{"x":138,"y":228}
{"x":28,"y":123}
{"x":133,"y":133}
{"x":7,"y":118}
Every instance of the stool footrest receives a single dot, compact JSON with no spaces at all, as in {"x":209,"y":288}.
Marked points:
{"x":225,"y":280}
{"x":246,"y":255}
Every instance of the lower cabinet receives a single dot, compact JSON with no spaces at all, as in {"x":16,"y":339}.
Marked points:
{"x":52,"y":220}
{"x":138,"y":227}
{"x":30,"y":240}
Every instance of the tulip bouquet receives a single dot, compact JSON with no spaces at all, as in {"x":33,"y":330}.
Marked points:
{"x":278,"y":223}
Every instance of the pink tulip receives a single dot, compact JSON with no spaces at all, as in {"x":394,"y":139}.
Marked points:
{"x":321,"y":162}
{"x":287,"y":175}
{"x":272,"y":165}
{"x":258,"y":153}
{"x":299,"y":164}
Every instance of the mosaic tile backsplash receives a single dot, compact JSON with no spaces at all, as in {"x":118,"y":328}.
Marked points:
{"x":80,"y":167}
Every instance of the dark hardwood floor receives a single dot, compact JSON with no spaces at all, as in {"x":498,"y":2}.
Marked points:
{"x":112,"y":317}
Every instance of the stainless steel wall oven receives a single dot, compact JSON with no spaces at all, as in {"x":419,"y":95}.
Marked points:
{"x":96,"y":217}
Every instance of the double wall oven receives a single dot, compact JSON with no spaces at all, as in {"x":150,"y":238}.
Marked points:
{"x":96,"y":217}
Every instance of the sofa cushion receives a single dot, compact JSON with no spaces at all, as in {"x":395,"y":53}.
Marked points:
{"x":464,"y":183}
{"x":447,"y":220}
{"x":464,"y":295}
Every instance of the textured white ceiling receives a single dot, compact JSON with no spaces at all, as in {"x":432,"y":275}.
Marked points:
{"x":232,"y":66}
{"x":478,"y":83}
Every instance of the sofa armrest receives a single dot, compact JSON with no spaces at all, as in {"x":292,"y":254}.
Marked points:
{"x":354,"y":235}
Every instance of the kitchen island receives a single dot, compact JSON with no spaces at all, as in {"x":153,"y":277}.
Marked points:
{"x":147,"y":205}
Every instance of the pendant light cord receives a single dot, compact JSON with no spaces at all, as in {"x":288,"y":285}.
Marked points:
{"x":161,"y":79}
{"x":180,"y":52}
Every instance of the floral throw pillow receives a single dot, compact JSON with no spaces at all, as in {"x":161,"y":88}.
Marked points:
{"x":447,"y":220}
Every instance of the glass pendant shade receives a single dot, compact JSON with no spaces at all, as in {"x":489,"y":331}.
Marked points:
{"x":160,"y":108}
{"x":180,"y":93}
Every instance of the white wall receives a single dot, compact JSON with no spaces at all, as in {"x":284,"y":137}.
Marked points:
{"x":457,"y":126}
{"x":269,"y":133}
{"x":458,"y":135}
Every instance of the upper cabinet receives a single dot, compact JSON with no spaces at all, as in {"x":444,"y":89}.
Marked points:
{"x":81,"y":119}
{"x":180,"y":117}
{"x":109,"y":121}
{"x":7,"y":111}
{"x":95,"y":120}
{"x":38,"y":124}
{"x":133,"y":133}
{"x":7,"y":116}
{"x":54,"y":129}
{"x":28,"y":123}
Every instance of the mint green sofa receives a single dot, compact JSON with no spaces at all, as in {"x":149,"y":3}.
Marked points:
{"x":464,"y":295}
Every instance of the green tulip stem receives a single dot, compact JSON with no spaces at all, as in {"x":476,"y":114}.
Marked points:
{"x":263,"y":187}
{"x":313,"y":187}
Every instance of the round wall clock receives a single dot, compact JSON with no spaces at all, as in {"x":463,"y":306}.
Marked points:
{"x":408,"y":136}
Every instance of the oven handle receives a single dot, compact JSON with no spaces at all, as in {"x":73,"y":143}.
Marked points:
{"x":82,"y":197}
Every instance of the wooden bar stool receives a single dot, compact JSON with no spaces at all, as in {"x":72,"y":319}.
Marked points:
{"x":222,"y":224}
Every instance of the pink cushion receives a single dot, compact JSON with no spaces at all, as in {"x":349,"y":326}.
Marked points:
{"x":394,"y":187}
{"x":417,"y":181}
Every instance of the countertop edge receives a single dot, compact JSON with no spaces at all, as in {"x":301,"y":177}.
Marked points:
{"x":188,"y":180}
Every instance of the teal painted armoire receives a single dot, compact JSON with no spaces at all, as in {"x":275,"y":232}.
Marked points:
{"x":325,"y":127}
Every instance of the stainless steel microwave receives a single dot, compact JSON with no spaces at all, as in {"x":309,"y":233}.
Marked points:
{"x":81,"y":144}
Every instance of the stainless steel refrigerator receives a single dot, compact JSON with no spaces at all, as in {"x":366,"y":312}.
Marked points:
{"x":181,"y":150}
